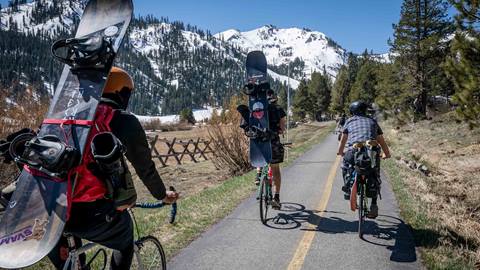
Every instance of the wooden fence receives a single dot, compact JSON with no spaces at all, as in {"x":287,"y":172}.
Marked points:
{"x":177,"y":150}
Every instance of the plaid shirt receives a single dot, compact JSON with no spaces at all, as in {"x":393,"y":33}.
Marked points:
{"x":361,"y":129}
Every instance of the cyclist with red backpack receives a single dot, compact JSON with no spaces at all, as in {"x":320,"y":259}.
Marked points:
{"x":102,"y":186}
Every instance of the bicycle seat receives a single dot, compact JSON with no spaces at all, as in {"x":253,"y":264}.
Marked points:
{"x":359,"y":145}
{"x":369,"y":143}
{"x":372,"y":143}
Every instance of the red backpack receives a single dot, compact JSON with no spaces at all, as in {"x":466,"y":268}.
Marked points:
{"x":86,"y":187}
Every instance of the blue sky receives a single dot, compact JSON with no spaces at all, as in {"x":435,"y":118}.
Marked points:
{"x":354,"y":24}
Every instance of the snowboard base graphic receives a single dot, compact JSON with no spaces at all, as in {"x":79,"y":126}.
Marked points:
{"x":260,"y":148}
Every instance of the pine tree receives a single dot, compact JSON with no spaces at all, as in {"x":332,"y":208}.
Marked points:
{"x":319,"y":89}
{"x":282,"y":97}
{"x":186,"y":115}
{"x":463,"y":65}
{"x":392,"y":93}
{"x":343,"y":85}
{"x":365,"y":81}
{"x":419,"y":43}
{"x":301,"y":102}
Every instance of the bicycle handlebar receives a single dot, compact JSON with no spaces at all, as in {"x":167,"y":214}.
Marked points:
{"x":160,"y":204}
{"x":156,"y":205}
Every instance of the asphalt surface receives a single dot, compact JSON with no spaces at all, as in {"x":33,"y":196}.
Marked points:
{"x":314,"y":230}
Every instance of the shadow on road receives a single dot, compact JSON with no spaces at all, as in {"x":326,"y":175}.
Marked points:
{"x":381,"y":232}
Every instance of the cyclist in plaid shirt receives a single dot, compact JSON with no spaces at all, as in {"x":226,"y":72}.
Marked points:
{"x":360,"y":128}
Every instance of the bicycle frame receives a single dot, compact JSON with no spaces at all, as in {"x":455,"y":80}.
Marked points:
{"x":73,"y":260}
{"x":265,"y":175}
{"x":74,"y":255}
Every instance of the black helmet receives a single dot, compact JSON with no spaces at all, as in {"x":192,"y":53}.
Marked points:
{"x":358,"y":108}
{"x":271,"y":96}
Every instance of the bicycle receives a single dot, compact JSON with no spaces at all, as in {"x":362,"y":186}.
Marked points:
{"x":358,"y":196}
{"x":148,"y":251}
{"x":264,"y":191}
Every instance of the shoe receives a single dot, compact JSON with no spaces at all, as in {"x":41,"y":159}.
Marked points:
{"x":373,"y":213}
{"x":346,"y":189}
{"x":276,"y":202}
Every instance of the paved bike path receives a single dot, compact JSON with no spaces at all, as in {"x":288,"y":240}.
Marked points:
{"x":314,"y":230}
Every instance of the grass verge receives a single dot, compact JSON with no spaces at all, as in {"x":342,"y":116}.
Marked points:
{"x":436,"y":253}
{"x":441,"y":206}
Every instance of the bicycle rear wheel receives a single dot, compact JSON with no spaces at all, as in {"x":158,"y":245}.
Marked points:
{"x":264,"y":201}
{"x":149,"y":255}
{"x":361,"y":210}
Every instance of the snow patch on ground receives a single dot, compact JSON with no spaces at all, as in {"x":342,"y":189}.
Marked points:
{"x":174,"y":83}
{"x":284,"y":79}
{"x":199,"y":115}
{"x":10,"y":101}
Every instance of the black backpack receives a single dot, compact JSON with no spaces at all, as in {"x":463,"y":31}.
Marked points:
{"x":363,"y":162}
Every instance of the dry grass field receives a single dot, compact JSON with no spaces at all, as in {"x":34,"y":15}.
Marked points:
{"x":443,"y":204}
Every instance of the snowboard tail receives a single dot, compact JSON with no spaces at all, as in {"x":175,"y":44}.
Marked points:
{"x":36,"y":215}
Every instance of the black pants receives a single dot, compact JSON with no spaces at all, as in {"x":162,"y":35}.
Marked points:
{"x":373,"y":180}
{"x":100,"y":223}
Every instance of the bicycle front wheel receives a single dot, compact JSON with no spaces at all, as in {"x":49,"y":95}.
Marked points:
{"x":263,"y":198}
{"x":149,"y":255}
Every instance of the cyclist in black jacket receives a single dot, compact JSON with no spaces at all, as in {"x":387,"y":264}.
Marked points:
{"x":276,"y":117}
{"x":94,"y":216}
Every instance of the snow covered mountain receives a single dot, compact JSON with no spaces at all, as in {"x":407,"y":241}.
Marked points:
{"x":42,"y":16}
{"x":174,"y":65}
{"x":283,"y":46}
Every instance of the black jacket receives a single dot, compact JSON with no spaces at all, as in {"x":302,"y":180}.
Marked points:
{"x":275,"y":114}
{"x":130,"y":132}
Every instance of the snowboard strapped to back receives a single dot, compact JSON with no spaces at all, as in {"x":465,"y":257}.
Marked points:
{"x":35,"y":217}
{"x":258,"y":124}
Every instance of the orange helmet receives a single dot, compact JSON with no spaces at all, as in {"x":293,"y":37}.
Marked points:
{"x":118,"y":79}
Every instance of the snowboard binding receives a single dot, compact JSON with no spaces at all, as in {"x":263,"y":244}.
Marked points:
{"x":94,"y":52}
{"x":108,"y":153}
{"x":253,"y":87}
{"x":47,"y":154}
{"x":256,"y":133}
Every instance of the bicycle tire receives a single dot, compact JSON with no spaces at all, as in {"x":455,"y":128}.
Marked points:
{"x":263,"y":198}
{"x":361,"y":211}
{"x":149,"y":255}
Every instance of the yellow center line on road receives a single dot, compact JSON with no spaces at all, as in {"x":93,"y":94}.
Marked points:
{"x":299,"y":257}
